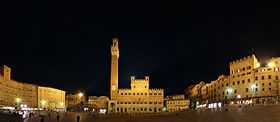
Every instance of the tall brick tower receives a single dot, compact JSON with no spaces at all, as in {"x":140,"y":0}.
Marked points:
{"x":114,"y":68}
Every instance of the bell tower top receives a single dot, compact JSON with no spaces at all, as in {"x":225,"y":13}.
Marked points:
{"x":115,"y":47}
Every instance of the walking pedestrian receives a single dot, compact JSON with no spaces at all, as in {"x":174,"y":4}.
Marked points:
{"x":42,"y":119}
{"x":57,"y":118}
{"x":78,"y":118}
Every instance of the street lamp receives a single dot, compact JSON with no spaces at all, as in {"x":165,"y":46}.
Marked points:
{"x":18,"y":100}
{"x":271,"y":64}
{"x":81,"y":94}
{"x":43,"y":102}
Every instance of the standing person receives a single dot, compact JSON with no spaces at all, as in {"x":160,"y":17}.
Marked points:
{"x":78,"y":118}
{"x":42,"y":119}
{"x":57,"y":117}
{"x":49,"y":116}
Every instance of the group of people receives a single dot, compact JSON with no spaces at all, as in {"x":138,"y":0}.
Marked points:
{"x":42,"y":117}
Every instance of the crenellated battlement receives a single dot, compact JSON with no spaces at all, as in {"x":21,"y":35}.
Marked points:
{"x":243,"y":59}
{"x":156,"y":90}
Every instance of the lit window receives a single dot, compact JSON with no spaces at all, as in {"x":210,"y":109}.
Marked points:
{"x":276,"y":69}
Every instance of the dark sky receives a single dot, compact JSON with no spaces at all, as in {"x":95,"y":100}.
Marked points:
{"x":66,"y":44}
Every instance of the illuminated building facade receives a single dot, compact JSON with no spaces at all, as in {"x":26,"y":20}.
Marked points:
{"x":98,"y":102}
{"x":75,"y":100}
{"x":139,"y":98}
{"x":51,"y":98}
{"x":177,"y":103}
{"x":16,"y":94}
{"x":248,"y":79}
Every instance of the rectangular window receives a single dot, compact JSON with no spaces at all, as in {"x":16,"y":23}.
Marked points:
{"x":247,"y":89}
{"x":276,"y":77}
{"x":262,"y":77}
{"x":256,"y":78}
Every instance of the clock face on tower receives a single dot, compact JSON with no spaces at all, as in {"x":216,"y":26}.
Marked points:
{"x":113,"y":87}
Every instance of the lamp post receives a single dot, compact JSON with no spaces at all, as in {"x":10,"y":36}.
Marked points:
{"x":254,"y":89}
{"x":43,"y":103}
{"x":18,"y":100}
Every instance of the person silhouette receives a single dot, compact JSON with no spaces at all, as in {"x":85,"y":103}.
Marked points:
{"x":57,"y":118}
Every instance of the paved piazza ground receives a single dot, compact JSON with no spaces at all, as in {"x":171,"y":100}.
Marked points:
{"x":269,"y":113}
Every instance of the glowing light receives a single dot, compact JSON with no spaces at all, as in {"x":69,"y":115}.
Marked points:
{"x":102,"y":111}
{"x":81,"y":94}
{"x":61,"y":103}
{"x":219,"y":104}
{"x":271,"y":64}
{"x":18,"y":100}
{"x":238,"y":96}
{"x":43,"y":102}
{"x":229,"y":90}
{"x":258,"y":65}
{"x":253,"y":86}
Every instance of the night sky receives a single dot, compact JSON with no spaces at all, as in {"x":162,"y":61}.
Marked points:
{"x":66,"y":44}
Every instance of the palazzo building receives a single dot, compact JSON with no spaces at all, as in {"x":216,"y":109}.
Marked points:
{"x":177,"y":103}
{"x":51,"y":98}
{"x":248,"y":79}
{"x":137,"y":99}
{"x":20,"y":94}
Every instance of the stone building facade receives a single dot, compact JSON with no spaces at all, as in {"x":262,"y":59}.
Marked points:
{"x":137,"y":99}
{"x":15,"y":94}
{"x":248,"y":79}
{"x":177,"y":103}
{"x":51,"y":98}
{"x":74,"y":100}
{"x":98,"y":102}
